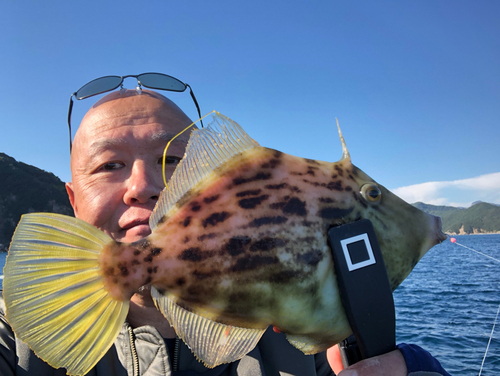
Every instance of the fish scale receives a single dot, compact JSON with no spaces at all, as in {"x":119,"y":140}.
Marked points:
{"x":238,"y":243}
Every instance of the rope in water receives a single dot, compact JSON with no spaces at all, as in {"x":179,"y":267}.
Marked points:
{"x":453,"y":240}
{"x":489,"y":341}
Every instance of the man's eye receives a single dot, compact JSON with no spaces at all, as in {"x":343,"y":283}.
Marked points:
{"x":111,"y":166}
{"x":170,"y":160}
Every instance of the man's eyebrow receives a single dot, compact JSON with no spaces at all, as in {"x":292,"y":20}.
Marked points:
{"x":100,"y":146}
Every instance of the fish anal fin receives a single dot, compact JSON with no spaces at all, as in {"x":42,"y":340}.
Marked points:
{"x":211,"y":342}
{"x":307,"y":344}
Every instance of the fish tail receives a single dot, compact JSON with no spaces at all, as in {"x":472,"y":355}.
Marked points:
{"x":54,"y":292}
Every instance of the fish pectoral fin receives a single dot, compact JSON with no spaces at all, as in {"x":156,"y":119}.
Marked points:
{"x":54,"y":295}
{"x":211,"y":342}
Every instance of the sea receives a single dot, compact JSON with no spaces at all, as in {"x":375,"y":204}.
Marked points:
{"x":449,"y":303}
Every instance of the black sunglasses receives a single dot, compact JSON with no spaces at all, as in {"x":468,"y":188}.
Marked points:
{"x":157,"y":81}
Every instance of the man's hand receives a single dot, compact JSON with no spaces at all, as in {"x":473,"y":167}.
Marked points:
{"x":392,"y":363}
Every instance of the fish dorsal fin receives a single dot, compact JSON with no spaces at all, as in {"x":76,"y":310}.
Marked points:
{"x":207,"y":149}
{"x":345,"y":152}
{"x":211,"y":342}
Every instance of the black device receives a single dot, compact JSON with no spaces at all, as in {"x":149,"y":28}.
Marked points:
{"x":365,"y":291}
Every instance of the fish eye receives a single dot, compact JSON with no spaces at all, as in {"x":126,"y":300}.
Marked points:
{"x":371,"y":193}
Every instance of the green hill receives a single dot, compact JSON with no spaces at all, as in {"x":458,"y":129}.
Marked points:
{"x":479,"y":218}
{"x":25,"y":189}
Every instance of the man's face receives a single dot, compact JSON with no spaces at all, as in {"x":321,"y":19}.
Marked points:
{"x":116,"y":161}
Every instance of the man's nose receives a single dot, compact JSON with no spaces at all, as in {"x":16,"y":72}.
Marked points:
{"x":143,"y":185}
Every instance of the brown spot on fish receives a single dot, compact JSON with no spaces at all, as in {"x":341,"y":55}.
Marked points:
{"x":162,"y":219}
{"x":263,"y":221}
{"x":207,"y":236}
{"x":277,"y":186}
{"x":312,"y":258}
{"x":310,"y":170}
{"x":326,"y":200}
{"x":335,"y":185}
{"x":278,"y":205}
{"x":272,"y":163}
{"x":156,"y":251}
{"x":237,"y":244}
{"x":335,"y":176}
{"x":215,"y":218}
{"x":135,"y":262}
{"x":186,"y":221}
{"x":250,"y":192}
{"x":180,"y":281}
{"x":348,"y":188}
{"x":266,"y":244}
{"x":148,"y":280}
{"x":150,"y":270}
{"x":253,"y":202}
{"x":124,"y":271}
{"x":339,"y":169}
{"x":311,"y":161}
{"x":186,"y":239}
{"x":137,"y":252}
{"x":295,"y":207}
{"x":195,"y":206}
{"x":258,"y":176}
{"x":148,"y":258}
{"x":109,"y":271}
{"x":192,"y":254}
{"x":334,"y":213}
{"x":253,"y":262}
{"x":209,"y":200}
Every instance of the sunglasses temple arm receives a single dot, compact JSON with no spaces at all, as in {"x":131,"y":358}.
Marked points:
{"x":196,"y":103}
{"x":69,"y":120}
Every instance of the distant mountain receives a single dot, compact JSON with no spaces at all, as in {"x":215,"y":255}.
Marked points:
{"x":26,"y":189}
{"x":480,"y":218}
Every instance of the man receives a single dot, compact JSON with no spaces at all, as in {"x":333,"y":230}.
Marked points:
{"x":116,"y":166}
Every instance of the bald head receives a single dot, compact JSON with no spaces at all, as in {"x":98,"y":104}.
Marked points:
{"x":139,"y":108}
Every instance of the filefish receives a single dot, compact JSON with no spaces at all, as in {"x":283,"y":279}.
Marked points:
{"x":238,"y":243}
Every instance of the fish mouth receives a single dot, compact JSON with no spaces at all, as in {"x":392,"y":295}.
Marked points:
{"x":439,"y":236}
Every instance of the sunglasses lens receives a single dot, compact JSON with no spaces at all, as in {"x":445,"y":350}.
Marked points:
{"x":161,"y":81}
{"x":98,"y":86}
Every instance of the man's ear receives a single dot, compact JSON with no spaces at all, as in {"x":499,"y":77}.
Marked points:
{"x":71,"y":196}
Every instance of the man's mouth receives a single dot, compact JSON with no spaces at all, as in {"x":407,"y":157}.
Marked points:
{"x":138,"y":228}
{"x":135,"y":223}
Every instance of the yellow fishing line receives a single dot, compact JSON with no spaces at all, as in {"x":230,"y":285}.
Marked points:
{"x":173,"y":138}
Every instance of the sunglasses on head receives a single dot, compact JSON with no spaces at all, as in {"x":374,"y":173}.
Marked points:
{"x":157,"y":81}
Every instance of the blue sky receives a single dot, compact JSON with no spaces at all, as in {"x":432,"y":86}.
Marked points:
{"x":415,"y":84}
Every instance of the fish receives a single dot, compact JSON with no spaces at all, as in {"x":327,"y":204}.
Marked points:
{"x":238,"y":244}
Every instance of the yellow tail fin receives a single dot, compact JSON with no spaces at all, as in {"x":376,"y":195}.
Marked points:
{"x":54,"y":294}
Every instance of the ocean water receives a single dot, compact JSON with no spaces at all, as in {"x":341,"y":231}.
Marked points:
{"x":448,"y":305}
